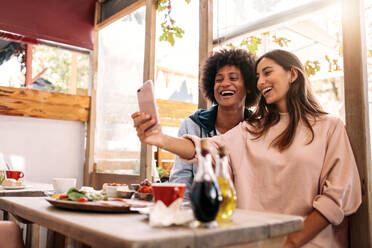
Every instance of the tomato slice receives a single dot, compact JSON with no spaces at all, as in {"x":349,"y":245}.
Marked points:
{"x":82,"y":199}
{"x":61,"y":197}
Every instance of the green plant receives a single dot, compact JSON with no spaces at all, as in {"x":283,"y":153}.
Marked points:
{"x":312,"y":67}
{"x":169,"y":27}
{"x":332,"y":64}
{"x":251,"y":43}
{"x":162,"y":172}
{"x":281,"y":41}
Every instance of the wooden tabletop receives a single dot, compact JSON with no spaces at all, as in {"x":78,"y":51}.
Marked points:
{"x":31,"y":189}
{"x":133,"y":230}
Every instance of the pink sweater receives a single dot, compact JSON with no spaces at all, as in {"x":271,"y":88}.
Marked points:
{"x":321,"y":175}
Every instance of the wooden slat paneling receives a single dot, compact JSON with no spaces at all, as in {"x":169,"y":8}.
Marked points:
{"x":205,"y":42}
{"x":175,"y":113}
{"x":41,"y":104}
{"x":356,"y":109}
{"x":175,"y":105}
{"x":116,"y":154}
{"x":115,"y":165}
{"x":170,"y":123}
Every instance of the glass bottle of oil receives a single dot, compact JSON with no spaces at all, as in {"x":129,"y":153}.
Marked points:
{"x":205,"y":193}
{"x":226,"y":186}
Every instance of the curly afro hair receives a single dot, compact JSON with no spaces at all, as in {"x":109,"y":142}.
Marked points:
{"x":240,"y":58}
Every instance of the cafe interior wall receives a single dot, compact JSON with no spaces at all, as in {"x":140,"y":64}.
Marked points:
{"x":43,"y":148}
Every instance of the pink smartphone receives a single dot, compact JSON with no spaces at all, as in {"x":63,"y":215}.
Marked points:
{"x":147,"y":103}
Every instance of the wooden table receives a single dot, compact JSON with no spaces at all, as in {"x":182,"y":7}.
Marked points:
{"x":133,"y":230}
{"x":32,"y":189}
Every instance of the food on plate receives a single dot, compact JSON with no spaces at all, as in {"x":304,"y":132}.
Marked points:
{"x":145,"y":186}
{"x":145,"y":189}
{"x":11,"y":182}
{"x":73,"y":194}
{"x":122,"y":187}
{"x":144,"y":192}
{"x":135,"y":186}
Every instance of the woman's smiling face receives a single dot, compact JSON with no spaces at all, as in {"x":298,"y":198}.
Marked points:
{"x":273,"y":82}
{"x":229,"y":87}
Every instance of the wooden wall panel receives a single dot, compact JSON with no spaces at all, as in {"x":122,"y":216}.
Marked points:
{"x":148,"y":73}
{"x":205,"y":42}
{"x":357,"y":119}
{"x":89,"y":175}
{"x":41,"y":104}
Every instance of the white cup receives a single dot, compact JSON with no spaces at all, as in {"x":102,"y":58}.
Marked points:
{"x":62,"y":185}
{"x":112,"y":191}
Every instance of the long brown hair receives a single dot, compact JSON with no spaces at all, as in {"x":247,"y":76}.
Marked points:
{"x":301,"y":103}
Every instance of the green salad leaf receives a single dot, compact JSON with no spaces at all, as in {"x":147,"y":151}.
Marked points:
{"x":73,"y":194}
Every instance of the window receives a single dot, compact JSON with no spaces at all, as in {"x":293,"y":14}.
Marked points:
{"x":120,"y":74}
{"x":177,"y":67}
{"x":53,"y":69}
{"x":314,"y":36}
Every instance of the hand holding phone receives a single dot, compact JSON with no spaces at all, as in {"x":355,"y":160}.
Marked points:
{"x":147,"y":103}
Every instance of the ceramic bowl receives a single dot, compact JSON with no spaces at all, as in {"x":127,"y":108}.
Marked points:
{"x":144,"y":196}
{"x":125,"y":194}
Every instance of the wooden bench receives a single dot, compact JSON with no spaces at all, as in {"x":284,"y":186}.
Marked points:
{"x":171,"y":114}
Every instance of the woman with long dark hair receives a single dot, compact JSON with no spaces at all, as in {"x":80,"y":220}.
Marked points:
{"x":289,"y":157}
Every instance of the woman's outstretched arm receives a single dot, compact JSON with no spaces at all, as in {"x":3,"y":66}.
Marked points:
{"x":184,"y":148}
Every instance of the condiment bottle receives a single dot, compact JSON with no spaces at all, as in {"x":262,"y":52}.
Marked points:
{"x":205,"y":193}
{"x":226,"y":186}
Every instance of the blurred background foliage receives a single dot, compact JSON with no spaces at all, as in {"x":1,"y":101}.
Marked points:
{"x":58,"y":63}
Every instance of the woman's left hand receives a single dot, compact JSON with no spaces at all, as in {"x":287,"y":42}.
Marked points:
{"x":289,"y":244}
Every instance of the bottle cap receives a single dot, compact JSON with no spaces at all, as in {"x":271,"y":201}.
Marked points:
{"x":204,"y":146}
{"x":222,"y":152}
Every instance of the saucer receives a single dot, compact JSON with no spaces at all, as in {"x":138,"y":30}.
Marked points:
{"x":16,"y":187}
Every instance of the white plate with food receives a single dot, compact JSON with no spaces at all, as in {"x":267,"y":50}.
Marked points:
{"x":112,"y":205}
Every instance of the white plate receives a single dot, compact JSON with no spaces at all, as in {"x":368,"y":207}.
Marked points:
{"x":16,"y":187}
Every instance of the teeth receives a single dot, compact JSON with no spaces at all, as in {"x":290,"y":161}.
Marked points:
{"x":266,"y":90}
{"x":227,"y":92}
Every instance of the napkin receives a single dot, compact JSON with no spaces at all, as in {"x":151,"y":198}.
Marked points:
{"x":161,"y":215}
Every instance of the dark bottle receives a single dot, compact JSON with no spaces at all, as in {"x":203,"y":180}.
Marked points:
{"x":205,"y":193}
